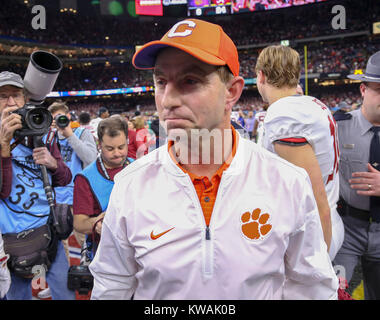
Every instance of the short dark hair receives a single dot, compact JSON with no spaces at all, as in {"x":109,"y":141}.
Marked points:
{"x":84,"y":118}
{"x":112,"y":127}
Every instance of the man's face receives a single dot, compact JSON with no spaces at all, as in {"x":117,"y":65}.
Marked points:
{"x":105,"y":115}
{"x":11,"y":96}
{"x":59,"y":112}
{"x":371,"y":100}
{"x":189,"y":93}
{"x":114,"y":150}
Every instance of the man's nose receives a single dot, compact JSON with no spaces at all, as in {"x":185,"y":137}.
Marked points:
{"x":11,"y":101}
{"x":171,"y":97}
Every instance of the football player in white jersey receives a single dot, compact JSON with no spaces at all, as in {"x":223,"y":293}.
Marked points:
{"x":302,"y":130}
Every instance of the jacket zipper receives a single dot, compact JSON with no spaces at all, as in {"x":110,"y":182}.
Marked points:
{"x":208,"y":265}
{"x":208,"y":233}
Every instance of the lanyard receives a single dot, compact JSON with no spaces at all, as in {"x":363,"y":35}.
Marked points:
{"x":104,"y":170}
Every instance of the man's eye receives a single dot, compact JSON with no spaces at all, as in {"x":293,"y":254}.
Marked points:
{"x":160,"y":82}
{"x":191,"y":81}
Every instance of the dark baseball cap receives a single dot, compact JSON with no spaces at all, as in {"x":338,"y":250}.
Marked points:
{"x":11,"y":79}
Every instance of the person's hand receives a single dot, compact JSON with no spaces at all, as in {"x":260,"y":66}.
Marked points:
{"x":42,"y":156}
{"x":98,"y":224}
{"x":5,"y":277}
{"x":10,"y":122}
{"x":366,"y":183}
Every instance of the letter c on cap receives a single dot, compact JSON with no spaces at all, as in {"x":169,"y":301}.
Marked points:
{"x":172,"y":33}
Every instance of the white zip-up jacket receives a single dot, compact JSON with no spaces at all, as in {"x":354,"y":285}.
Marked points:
{"x":264,"y":240}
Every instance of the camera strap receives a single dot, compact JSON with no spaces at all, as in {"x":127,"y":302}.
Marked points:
{"x":103,"y":167}
{"x":15,"y":144}
{"x":50,"y":138}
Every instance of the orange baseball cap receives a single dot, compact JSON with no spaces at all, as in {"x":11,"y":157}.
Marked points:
{"x":203,"y":40}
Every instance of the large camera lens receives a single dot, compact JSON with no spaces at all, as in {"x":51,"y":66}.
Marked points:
{"x":62,"y":121}
{"x":38,"y":118}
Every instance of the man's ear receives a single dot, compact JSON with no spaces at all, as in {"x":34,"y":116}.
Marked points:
{"x":234,"y":89}
{"x":362,"y":88}
{"x":261,"y":77}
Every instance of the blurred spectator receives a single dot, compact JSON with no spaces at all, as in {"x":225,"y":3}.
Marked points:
{"x":142,"y":136}
{"x":249,"y":123}
{"x":103,"y":113}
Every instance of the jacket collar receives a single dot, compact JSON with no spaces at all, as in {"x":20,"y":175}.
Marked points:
{"x":235,"y":168}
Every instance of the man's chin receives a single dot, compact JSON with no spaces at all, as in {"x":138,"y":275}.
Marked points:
{"x":115,"y":163}
{"x":177,"y":133}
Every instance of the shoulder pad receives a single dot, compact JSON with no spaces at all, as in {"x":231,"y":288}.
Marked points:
{"x":338,"y":116}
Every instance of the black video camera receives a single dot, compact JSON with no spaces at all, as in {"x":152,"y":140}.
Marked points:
{"x":79,"y":277}
{"x":62,"y":121}
{"x":36,"y":121}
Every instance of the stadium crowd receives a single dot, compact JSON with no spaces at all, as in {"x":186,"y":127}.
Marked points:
{"x":324,"y":58}
{"x":258,"y":28}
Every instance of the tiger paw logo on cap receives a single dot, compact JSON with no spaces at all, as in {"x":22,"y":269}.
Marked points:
{"x":255,"y":225}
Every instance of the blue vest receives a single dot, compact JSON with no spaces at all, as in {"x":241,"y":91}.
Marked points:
{"x":100,"y":186}
{"x":71,"y":159}
{"x":27,"y":206}
{"x":101,"y":189}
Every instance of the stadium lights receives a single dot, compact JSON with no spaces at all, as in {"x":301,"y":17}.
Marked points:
{"x":66,"y":10}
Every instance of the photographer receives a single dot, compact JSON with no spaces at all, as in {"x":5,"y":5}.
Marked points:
{"x":24,"y":205}
{"x":93,"y":185}
{"x":78,"y":148}
{"x":92,"y":189}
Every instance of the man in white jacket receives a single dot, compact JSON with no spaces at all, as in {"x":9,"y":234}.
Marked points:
{"x":209,"y":215}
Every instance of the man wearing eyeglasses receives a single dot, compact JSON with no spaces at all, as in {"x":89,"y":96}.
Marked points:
{"x":24,"y":209}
